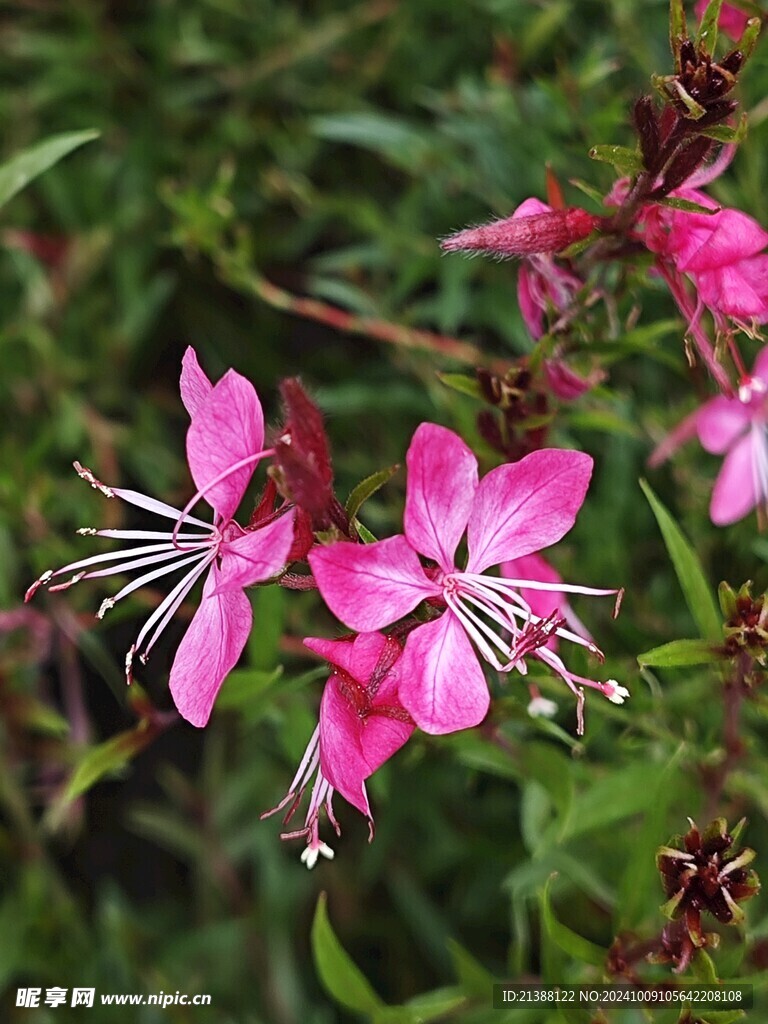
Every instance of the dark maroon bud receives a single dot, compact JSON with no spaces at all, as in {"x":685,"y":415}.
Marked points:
{"x":732,"y":62}
{"x":685,"y":163}
{"x":687,"y":55}
{"x":647,"y":125}
{"x":302,"y":455}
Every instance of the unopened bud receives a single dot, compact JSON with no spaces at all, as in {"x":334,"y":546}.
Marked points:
{"x":525,"y":236}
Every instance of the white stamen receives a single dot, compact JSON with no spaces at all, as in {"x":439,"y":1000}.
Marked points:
{"x":618,"y":693}
{"x":106,"y":604}
{"x":85,"y":474}
{"x":87,"y":531}
{"x":311,"y":853}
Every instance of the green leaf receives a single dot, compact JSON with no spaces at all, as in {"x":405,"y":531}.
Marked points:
{"x":678,"y":29}
{"x":367,"y":487}
{"x":687,"y":205}
{"x":706,"y":37}
{"x":341,"y":978}
{"x":696,"y":590}
{"x":574,"y":945}
{"x":462,"y":383}
{"x":722,"y":1016}
{"x":588,"y":190}
{"x":749,"y":36}
{"x":363,"y":532}
{"x":433,"y":1005}
{"x":625,"y":160}
{"x":16,"y":173}
{"x":725,"y":133}
{"x":474,"y":979}
{"x":679,"y":653}
{"x":703,"y":968}
{"x":108,"y":757}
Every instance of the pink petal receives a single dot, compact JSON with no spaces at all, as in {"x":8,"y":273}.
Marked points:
{"x":358,"y":656}
{"x":525,"y":506}
{"x":228,"y":426}
{"x":534,"y":567}
{"x":732,"y":236}
{"x":352,"y":748}
{"x":734,"y":494}
{"x":442,"y":685}
{"x":193,"y":384}
{"x":529,"y":301}
{"x":369,"y":586}
{"x":739,"y":290}
{"x":209,"y":649}
{"x":442,"y":480}
{"x":531,"y":207}
{"x":719,"y":422}
{"x":257,"y":554}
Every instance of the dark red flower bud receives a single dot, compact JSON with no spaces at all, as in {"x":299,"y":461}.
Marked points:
{"x":525,"y":236}
{"x":302,"y":455}
{"x":647,"y":125}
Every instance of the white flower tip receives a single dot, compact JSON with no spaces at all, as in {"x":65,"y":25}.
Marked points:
{"x":542,"y":707}
{"x":85,"y":474}
{"x":616,"y":694}
{"x":106,"y":604}
{"x":129,"y":664}
{"x":311,"y":853}
{"x":87,"y":531}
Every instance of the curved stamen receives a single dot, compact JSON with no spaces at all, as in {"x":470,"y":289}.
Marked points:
{"x":168,"y":607}
{"x":240,"y":464}
{"x":466,"y":618}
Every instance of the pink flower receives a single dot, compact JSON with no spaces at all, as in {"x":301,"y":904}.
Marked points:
{"x":737,"y":428}
{"x":514,"y":511}
{"x":224,"y":441}
{"x":362,"y":724}
{"x":731,"y":20}
{"x":720,"y":253}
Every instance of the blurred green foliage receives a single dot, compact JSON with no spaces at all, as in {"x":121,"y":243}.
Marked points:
{"x":322,"y":147}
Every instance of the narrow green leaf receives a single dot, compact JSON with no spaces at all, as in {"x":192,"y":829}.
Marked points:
{"x":474,"y":979}
{"x":588,"y":190}
{"x":16,"y":173}
{"x":679,"y":653}
{"x":687,"y":205}
{"x":625,"y":160}
{"x":722,"y":1016}
{"x":706,"y":37}
{"x":725,"y":133}
{"x":749,"y":37}
{"x":462,"y":383}
{"x":696,"y":590}
{"x":695,"y":110}
{"x":363,"y":532}
{"x":341,"y":978}
{"x":433,"y":1005}
{"x":108,"y":757}
{"x":703,"y":967}
{"x":362,"y":492}
{"x":574,"y":945}
{"x":678,"y":29}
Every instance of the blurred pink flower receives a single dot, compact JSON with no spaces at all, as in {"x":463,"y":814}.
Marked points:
{"x":736,"y":427}
{"x":721,"y":253}
{"x":224,"y":442}
{"x":362,"y":724}
{"x":732,"y":20}
{"x":514,"y":511}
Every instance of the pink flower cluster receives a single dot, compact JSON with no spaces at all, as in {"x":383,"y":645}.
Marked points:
{"x":398,"y":670}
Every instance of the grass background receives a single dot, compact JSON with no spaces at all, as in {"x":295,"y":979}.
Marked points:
{"x":323,"y":147}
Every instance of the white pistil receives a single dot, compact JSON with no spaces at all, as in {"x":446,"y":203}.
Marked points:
{"x":313,"y":851}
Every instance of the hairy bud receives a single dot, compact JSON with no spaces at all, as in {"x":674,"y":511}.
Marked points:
{"x":525,"y":236}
